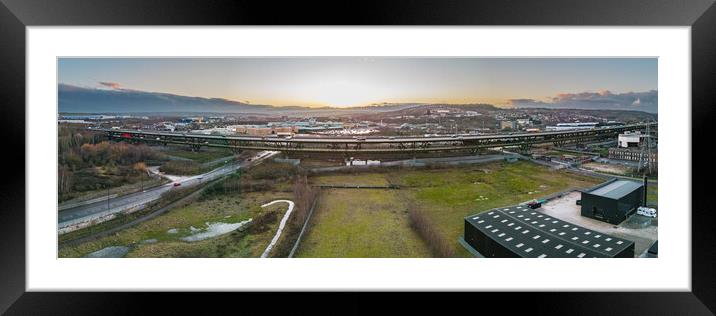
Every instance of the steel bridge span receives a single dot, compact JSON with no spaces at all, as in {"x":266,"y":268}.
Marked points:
{"x":315,"y":144}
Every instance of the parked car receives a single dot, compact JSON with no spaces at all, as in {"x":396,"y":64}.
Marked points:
{"x":646,"y":211}
{"x":534,"y":204}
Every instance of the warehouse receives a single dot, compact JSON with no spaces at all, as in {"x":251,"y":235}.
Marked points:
{"x":612,"y":201}
{"x":521,"y":232}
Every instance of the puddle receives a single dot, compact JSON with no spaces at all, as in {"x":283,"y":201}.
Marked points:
{"x":172,"y":231}
{"x":212,"y":230}
{"x":109,"y":252}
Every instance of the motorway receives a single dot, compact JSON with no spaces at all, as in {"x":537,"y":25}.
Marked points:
{"x":88,"y":212}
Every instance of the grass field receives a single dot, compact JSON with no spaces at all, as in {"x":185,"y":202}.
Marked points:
{"x":355,"y":223}
{"x":652,"y":195}
{"x":369,"y":223}
{"x":204,"y":155}
{"x":220,"y":208}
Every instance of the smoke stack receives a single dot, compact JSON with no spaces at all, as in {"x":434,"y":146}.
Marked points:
{"x":645,"y":187}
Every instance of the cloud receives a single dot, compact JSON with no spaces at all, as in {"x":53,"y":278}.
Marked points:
{"x":604,"y":99}
{"x":112,"y":85}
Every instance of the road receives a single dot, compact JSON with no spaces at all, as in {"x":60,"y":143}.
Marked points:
{"x":102,"y":208}
{"x":159,"y":136}
{"x":373,"y":144}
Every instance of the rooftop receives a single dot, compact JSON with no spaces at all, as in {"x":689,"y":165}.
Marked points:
{"x":615,"y":189}
{"x":533,"y":234}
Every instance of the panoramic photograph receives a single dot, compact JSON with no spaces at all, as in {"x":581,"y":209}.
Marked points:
{"x":357,"y":157}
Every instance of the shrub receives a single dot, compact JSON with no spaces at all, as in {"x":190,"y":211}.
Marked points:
{"x":304,"y":197}
{"x":271,"y":170}
{"x":426,"y":229}
{"x":181,"y":167}
{"x":262,"y":222}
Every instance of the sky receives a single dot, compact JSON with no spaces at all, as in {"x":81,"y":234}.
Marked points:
{"x":359,"y":81}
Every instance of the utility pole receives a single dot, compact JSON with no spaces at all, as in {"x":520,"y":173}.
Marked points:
{"x":648,"y":146}
{"x":645,"y":152}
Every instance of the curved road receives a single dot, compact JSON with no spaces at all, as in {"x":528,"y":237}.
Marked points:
{"x":280,"y":226}
{"x":102,"y":208}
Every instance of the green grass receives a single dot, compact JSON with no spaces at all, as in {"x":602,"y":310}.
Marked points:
{"x":184,"y":167}
{"x":202,"y":156}
{"x":354,"y":223}
{"x":223,"y":208}
{"x":351,"y":179}
{"x":652,"y":195}
{"x":348,"y":221}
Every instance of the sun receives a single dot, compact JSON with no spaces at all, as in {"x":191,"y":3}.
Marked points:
{"x":346,"y":94}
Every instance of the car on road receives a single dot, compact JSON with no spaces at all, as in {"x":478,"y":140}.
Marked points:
{"x":176,"y":184}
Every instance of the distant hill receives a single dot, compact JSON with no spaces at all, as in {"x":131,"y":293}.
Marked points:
{"x":87,"y":100}
{"x":74,"y":99}
{"x":646,"y":101}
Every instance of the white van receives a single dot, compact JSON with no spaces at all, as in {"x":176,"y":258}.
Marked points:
{"x":646,"y":211}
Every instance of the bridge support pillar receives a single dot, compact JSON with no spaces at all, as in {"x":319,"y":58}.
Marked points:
{"x":525,"y":148}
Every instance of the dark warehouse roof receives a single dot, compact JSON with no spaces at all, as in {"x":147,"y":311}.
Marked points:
{"x":532,"y":234}
{"x":615,"y":189}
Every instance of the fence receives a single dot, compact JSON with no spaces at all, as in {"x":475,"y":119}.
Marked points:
{"x":303,"y":229}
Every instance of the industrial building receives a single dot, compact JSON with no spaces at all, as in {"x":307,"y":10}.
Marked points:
{"x":521,"y":232}
{"x":613,"y":201}
{"x":508,"y":124}
{"x":572,"y":126}
{"x":262,"y":130}
{"x":631,"y":139}
{"x":634,"y":154}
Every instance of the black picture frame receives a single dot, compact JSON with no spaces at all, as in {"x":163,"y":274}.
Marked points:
{"x":16,"y":15}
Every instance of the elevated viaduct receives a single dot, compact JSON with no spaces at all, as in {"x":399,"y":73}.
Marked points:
{"x":370,"y":145}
